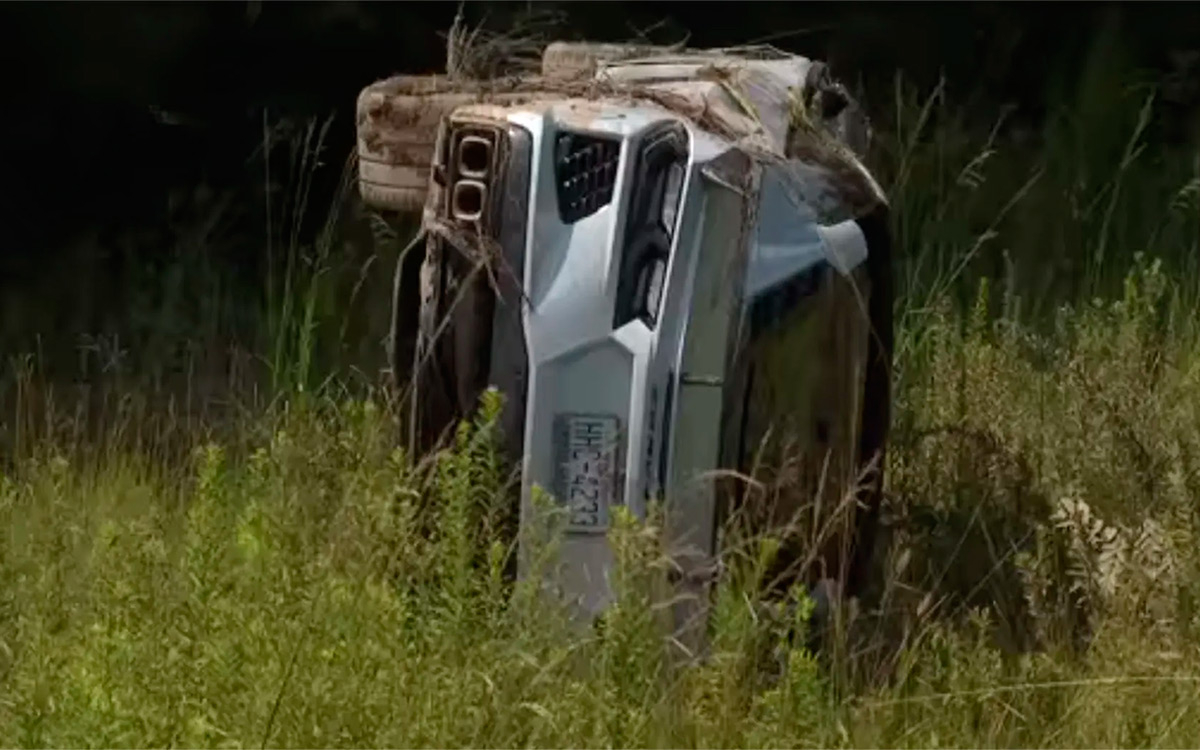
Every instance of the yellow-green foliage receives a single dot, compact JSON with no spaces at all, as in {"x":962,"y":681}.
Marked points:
{"x":312,"y":586}
{"x":300,"y":582}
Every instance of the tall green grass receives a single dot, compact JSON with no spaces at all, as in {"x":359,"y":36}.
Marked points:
{"x":276,"y":572}
{"x":312,"y":585}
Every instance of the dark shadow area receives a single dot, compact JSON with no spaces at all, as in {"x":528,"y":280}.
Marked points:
{"x":172,"y":173}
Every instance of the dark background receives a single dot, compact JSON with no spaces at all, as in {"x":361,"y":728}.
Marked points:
{"x":114,"y":113}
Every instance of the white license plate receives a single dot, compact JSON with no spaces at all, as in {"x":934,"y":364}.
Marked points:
{"x":588,"y":448}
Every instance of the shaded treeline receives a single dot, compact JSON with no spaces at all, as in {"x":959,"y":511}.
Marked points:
{"x":135,"y":186}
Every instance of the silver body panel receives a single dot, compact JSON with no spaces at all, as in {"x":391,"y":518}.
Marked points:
{"x":732,"y":245}
{"x":643,"y":342}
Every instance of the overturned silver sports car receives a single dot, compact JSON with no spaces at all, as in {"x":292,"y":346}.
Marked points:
{"x":671,"y":263}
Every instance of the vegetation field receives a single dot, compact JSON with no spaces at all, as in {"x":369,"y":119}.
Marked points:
{"x":213,"y":545}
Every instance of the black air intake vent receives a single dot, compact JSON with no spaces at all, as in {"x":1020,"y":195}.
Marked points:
{"x":585,"y":170}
